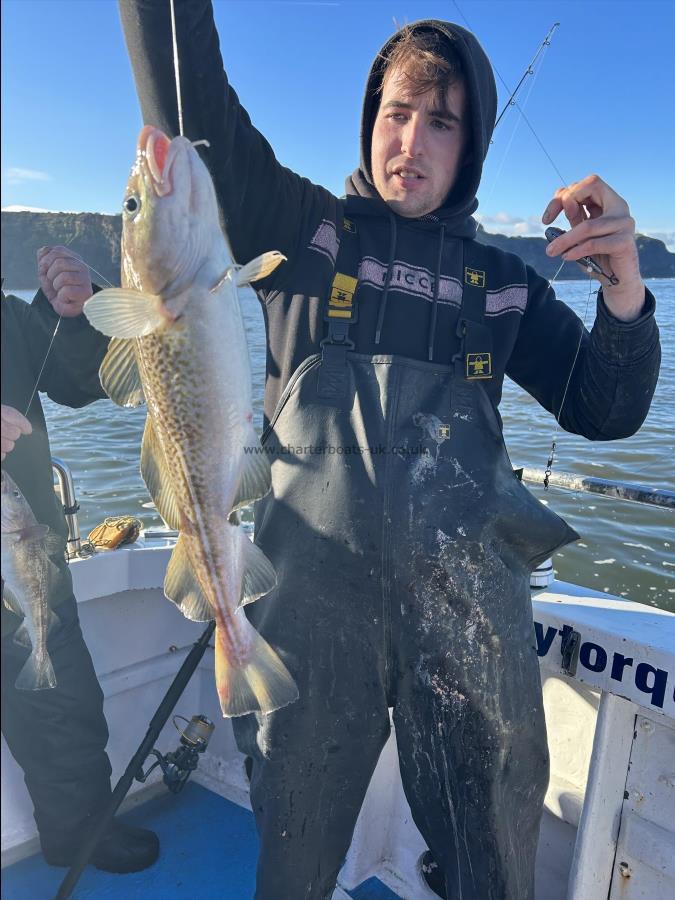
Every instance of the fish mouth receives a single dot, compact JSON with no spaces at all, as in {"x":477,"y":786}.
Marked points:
{"x":158,"y":152}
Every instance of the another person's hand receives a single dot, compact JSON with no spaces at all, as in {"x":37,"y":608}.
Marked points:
{"x":64,"y":279}
{"x":602,"y":227}
{"x":13,"y":426}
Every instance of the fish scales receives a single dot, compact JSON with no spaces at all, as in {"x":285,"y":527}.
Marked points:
{"x":178,"y":313}
{"x":29,"y":576}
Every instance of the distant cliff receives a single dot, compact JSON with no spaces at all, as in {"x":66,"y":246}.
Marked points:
{"x":655,"y":260}
{"x":97,"y":239}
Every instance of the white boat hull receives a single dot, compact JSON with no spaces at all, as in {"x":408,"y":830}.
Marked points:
{"x":595,"y":841}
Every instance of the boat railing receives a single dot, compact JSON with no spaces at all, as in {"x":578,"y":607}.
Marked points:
{"x":66,"y":489}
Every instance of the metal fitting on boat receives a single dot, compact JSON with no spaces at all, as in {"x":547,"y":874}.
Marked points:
{"x":543,"y":575}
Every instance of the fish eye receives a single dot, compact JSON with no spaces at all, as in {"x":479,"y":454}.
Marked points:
{"x":132,"y":204}
{"x":16,"y":493}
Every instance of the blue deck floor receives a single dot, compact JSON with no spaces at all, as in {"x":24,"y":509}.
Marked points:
{"x":208,"y":850}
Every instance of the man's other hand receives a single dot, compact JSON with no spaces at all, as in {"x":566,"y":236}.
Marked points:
{"x":602,"y":227}
{"x":64,"y":279}
{"x":13,"y":426}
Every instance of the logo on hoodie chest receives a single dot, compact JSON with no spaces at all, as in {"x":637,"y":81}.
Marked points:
{"x":474,"y":277}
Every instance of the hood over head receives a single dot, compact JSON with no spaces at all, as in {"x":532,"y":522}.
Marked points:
{"x":481,"y":91}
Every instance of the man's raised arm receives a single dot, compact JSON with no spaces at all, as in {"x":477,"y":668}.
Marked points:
{"x":264,"y":204}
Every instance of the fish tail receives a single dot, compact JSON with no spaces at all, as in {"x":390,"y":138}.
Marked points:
{"x":37,"y":674}
{"x":261,"y":684}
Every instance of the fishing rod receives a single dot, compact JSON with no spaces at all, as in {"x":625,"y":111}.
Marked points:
{"x":547,"y":473}
{"x":529,"y":71}
{"x":135,"y":767}
{"x":618,"y":490}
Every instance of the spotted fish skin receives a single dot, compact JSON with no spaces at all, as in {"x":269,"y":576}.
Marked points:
{"x":179,"y":344}
{"x":28,"y":577}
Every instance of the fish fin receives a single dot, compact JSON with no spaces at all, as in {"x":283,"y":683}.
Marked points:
{"x":260,"y":267}
{"x":52,"y":620}
{"x":256,"y":478}
{"x":119,"y":373}
{"x":182,"y":588}
{"x":156,"y":478}
{"x":11,"y":602}
{"x":124,"y":313}
{"x":22,"y":637}
{"x":259,"y":575}
{"x":33,"y":533}
{"x":37,"y":674}
{"x":54,"y":544}
{"x":262,"y":684}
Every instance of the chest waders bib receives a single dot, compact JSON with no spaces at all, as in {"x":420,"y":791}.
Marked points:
{"x":403,"y":544}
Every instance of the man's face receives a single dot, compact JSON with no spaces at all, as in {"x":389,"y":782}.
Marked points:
{"x":417,"y":149}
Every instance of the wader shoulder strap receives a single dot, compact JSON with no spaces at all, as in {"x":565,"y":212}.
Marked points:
{"x":473,"y":361}
{"x":340,"y":311}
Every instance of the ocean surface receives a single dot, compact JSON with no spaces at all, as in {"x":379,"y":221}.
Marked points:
{"x":625,"y":549}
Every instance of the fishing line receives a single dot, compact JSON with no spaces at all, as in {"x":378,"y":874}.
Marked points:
{"x":510,"y":141}
{"x":44,"y":363}
{"x":51,"y":342}
{"x":102,"y":277}
{"x":512,"y":101}
{"x":556,"y":430}
{"x":176,"y":68}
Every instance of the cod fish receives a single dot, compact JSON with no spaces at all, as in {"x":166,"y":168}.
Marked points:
{"x":179,"y":345}
{"x":28,"y":576}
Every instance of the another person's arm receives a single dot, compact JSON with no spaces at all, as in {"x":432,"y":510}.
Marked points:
{"x":70,"y":374}
{"x":12,"y":425}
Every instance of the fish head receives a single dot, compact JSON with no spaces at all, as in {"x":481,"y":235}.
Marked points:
{"x":170,"y":216}
{"x":16,"y":513}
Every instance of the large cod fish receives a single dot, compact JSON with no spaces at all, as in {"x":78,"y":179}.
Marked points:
{"x":179,"y":344}
{"x":28,"y":576}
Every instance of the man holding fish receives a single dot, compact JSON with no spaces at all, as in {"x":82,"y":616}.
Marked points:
{"x":402,"y":542}
{"x":52,"y":704}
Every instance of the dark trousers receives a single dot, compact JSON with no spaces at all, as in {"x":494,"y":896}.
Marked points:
{"x":58,"y":736}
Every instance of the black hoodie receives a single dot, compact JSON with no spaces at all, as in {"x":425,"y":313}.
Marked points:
{"x":481,"y":93}
{"x":410,"y":272}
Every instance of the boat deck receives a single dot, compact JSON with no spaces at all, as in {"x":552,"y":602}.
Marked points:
{"x":209,"y":849}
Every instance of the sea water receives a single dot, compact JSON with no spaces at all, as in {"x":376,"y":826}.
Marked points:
{"x":625,"y":548}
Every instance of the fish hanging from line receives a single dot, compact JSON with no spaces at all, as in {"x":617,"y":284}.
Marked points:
{"x":179,"y":344}
{"x":29,"y":577}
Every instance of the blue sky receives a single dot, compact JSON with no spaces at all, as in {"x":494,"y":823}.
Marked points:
{"x":601,"y":100}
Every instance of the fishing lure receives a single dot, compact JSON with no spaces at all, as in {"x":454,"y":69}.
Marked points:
{"x":552,"y":233}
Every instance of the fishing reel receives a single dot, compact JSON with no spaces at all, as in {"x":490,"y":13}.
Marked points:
{"x":179,"y":765}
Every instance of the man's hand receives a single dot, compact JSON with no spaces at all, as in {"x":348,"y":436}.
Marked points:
{"x":602,"y":227}
{"x":13,"y":426}
{"x":64,"y":279}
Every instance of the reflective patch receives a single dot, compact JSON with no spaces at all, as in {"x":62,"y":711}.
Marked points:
{"x":478,"y":365}
{"x":474,"y":277}
{"x":341,"y":301}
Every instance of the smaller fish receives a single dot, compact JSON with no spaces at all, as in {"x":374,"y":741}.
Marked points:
{"x":28,"y":575}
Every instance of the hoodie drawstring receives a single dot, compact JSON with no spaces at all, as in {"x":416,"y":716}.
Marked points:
{"x":437,"y":285}
{"x":387,"y":280}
